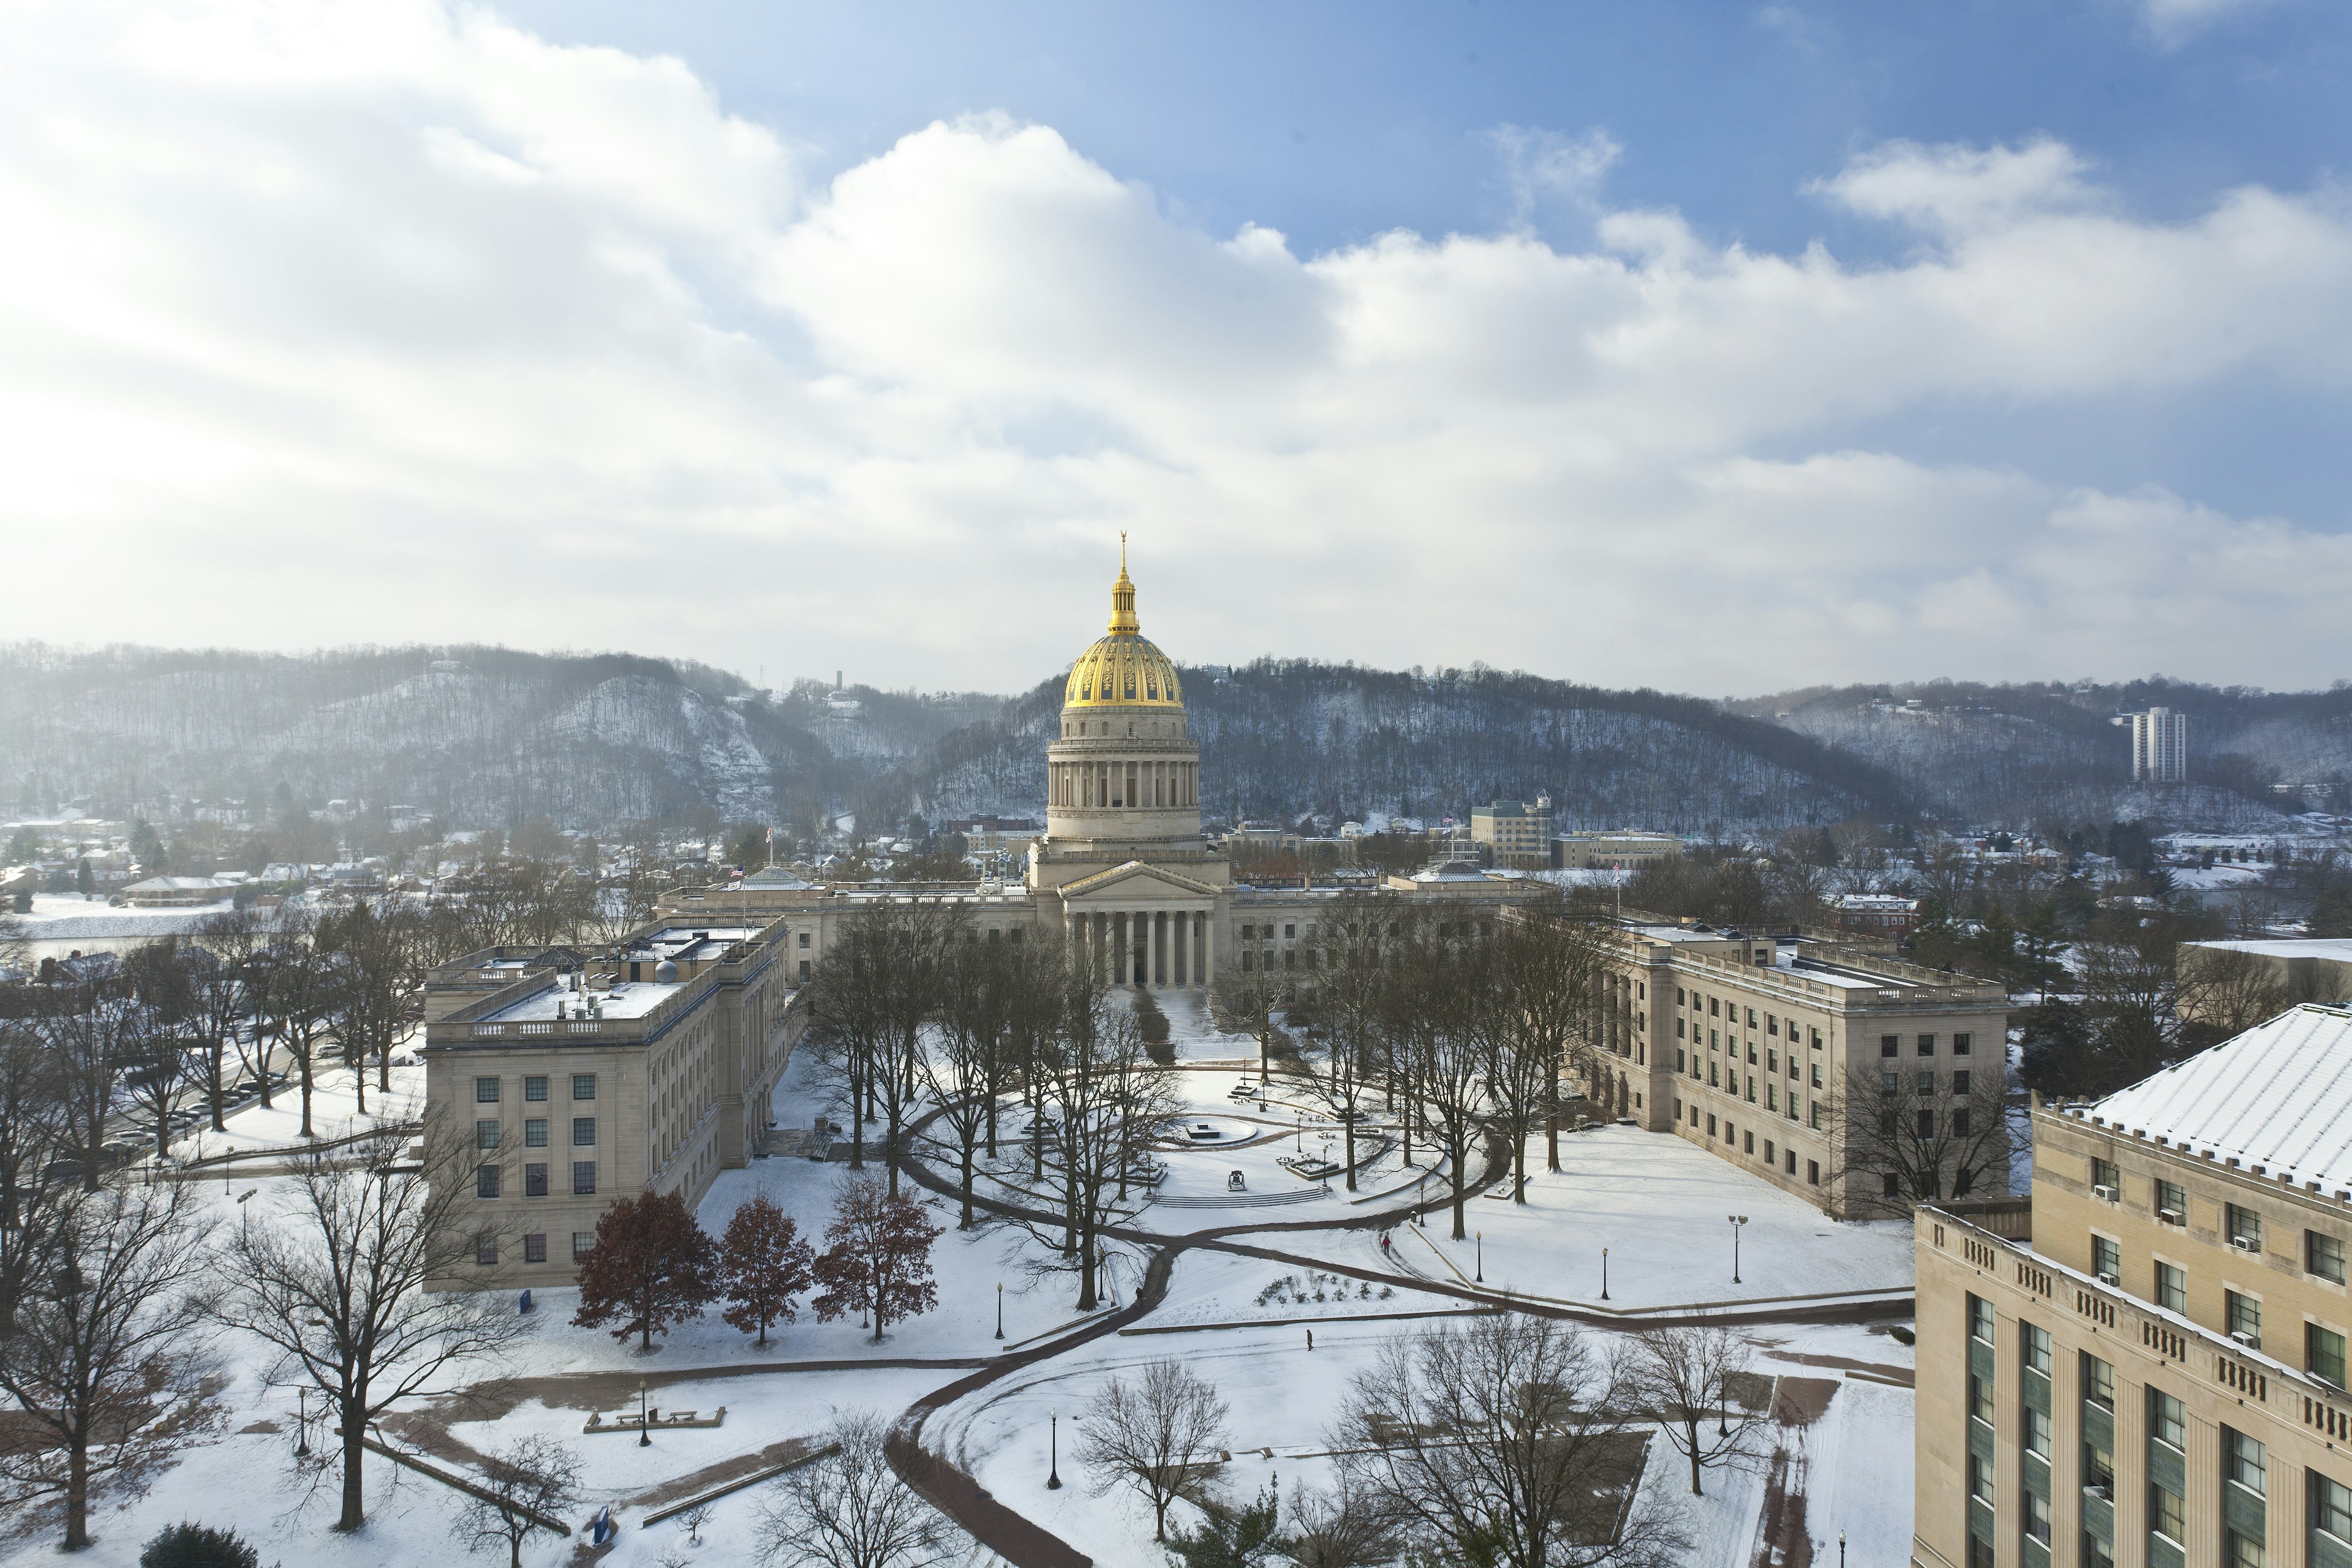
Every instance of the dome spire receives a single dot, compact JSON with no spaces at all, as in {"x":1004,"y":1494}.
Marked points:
{"x":1122,"y":598}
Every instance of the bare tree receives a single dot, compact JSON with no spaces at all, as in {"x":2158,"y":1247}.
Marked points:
{"x":1508,"y":1442}
{"x":90,"y":1038}
{"x":1559,"y":957}
{"x":1691,"y":1377}
{"x":220,"y":1003}
{"x":1101,"y":1099}
{"x":874,"y":991}
{"x":35,"y":1175}
{"x":1919,"y":1134}
{"x":1341,"y":1528}
{"x":103,"y":1364}
{"x":523,"y":1488}
{"x":1160,"y":1434}
{"x":1347,"y":1037}
{"x":333,"y":1276}
{"x":1250,"y":1001}
{"x":851,"y":1510}
{"x":970,"y":1062}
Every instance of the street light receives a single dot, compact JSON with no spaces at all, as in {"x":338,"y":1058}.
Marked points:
{"x":1054,"y":1463}
{"x":1482,"y":1257}
{"x":1737,"y":1221}
{"x":1604,"y":1273}
{"x":1840,"y":1549}
{"x":1000,"y":1309}
{"x":644,"y":1422}
{"x":302,"y":1422}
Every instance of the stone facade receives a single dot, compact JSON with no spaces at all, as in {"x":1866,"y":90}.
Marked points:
{"x":1747,"y":1045}
{"x":650,"y":1070}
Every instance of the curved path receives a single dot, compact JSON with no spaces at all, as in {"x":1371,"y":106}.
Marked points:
{"x":1023,"y":1542}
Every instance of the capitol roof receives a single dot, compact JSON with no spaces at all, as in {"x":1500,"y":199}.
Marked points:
{"x":1124,"y":669}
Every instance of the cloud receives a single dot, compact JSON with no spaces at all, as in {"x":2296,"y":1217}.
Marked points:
{"x":2174,"y":22}
{"x":323,"y":324}
{"x":1541,"y":165}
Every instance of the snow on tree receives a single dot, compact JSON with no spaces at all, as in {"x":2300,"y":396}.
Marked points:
{"x":652,"y":1266}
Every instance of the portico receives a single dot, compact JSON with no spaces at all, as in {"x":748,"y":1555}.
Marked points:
{"x":1137,"y":924}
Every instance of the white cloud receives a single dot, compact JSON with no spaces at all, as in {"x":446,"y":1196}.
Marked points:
{"x":2175,"y":22}
{"x":324,"y":323}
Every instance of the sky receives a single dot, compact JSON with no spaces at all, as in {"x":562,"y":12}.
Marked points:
{"x":1715,"y":348}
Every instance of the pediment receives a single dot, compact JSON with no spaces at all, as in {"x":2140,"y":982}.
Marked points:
{"x":1137,"y":879}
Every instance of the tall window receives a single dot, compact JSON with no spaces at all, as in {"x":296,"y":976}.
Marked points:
{"x":2245,"y":1227}
{"x":485,"y":1135}
{"x":2245,"y":1467}
{"x":2331,"y":1517}
{"x":583,"y":1178}
{"x":583,"y":1130}
{"x":534,"y":1089}
{"x":485,"y":1181}
{"x":583,"y":1086}
{"x":2098,"y":1382}
{"x":2105,"y":1174}
{"x":2322,"y":1353}
{"x":2171,"y":1288}
{"x":2106,"y":1258}
{"x":2323,"y":1255}
{"x":486,"y":1091}
{"x":2244,"y":1314}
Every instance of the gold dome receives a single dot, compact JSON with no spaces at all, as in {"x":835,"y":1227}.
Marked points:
{"x":1124,"y":669}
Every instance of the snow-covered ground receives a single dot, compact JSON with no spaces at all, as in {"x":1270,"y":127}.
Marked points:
{"x":1662,"y":1207}
{"x":1657,"y":1202}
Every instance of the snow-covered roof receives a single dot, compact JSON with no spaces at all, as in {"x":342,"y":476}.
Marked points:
{"x":2338,"y":948}
{"x":2279,"y":1096}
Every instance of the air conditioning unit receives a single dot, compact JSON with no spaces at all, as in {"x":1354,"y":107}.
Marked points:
{"x":2105,"y":1192}
{"x":2246,"y":1242}
{"x":2171,"y":1217}
{"x":2252,"y":1342}
{"x":2110,"y":1280}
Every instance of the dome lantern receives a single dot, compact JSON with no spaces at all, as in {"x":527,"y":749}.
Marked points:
{"x":1125,"y":668}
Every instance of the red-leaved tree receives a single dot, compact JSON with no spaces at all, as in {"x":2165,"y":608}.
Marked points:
{"x":878,"y":1254}
{"x":652,"y":1267}
{"x":762,"y":1265}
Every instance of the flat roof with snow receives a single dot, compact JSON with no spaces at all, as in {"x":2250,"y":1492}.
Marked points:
{"x":2337,"y":947}
{"x":630,"y":999}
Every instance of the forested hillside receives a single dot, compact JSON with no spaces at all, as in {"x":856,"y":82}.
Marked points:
{"x":1282,"y":739}
{"x":487,"y":737}
{"x":1986,"y":753}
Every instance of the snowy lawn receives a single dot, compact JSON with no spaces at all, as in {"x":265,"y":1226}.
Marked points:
{"x":1660,"y":1206}
{"x":1850,"y":1468}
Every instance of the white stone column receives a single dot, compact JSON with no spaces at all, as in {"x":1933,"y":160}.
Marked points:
{"x":1209,"y":948}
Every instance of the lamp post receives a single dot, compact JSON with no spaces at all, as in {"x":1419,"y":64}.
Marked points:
{"x":1482,"y":1257}
{"x":1737,"y":1221}
{"x":302,"y":1422}
{"x":1000,"y":1309}
{"x":644,"y":1423}
{"x":1053,"y":1463}
{"x":1604,"y":1273}
{"x":1840,"y":1549}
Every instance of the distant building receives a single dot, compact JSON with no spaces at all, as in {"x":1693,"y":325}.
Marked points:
{"x":177,"y":892}
{"x":1606,"y":851}
{"x":2300,"y":969}
{"x":1889,"y":915}
{"x":1513,"y":833}
{"x":2159,"y":747}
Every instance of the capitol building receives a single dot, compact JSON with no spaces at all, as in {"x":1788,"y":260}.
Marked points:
{"x":1123,"y":873}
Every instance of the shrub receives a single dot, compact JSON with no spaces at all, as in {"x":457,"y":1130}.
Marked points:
{"x":186,"y":1545}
